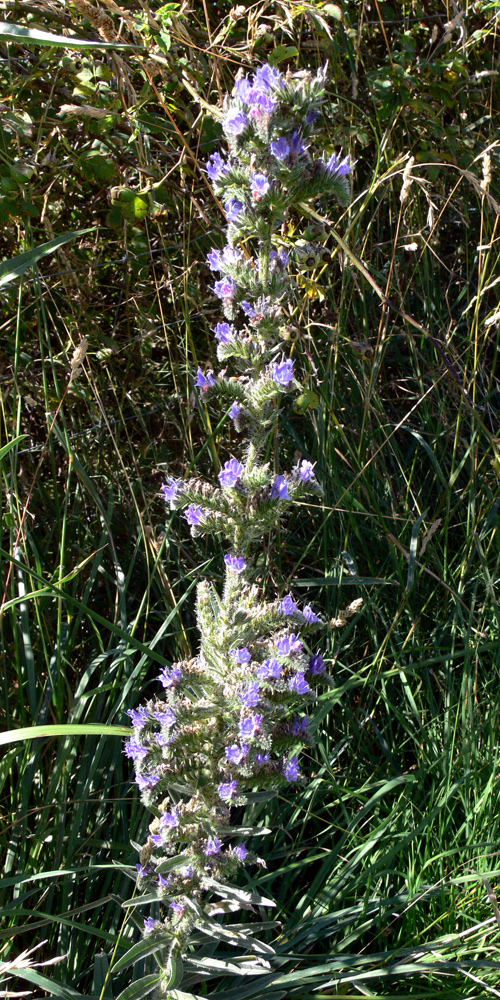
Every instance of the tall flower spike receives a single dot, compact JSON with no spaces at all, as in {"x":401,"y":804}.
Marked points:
{"x":252,"y":675}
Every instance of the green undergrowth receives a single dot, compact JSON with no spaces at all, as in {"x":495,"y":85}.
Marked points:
{"x":384,"y":868}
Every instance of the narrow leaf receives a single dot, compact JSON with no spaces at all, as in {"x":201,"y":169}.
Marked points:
{"x":11,"y":444}
{"x":16,"y":266}
{"x":68,"y":729}
{"x":413,"y":551}
{"x":142,"y":988}
{"x":141,"y":949}
{"x":175,"y":969}
{"x":240,"y":895}
{"x":18,"y":34}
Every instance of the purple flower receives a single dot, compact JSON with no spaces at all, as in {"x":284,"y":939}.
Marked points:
{"x":268,"y":669}
{"x":145,"y":781}
{"x":163,"y":740}
{"x":157,"y":839}
{"x":282,"y":372}
{"x":235,"y":563}
{"x":299,"y":725}
{"x":171,"y":489}
{"x":230,"y":256}
{"x":194,"y":514}
{"x":163,"y":882}
{"x":230,"y":474}
{"x":248,"y":309}
{"x":260,"y":186}
{"x":288,"y":644}
{"x":213,"y":846}
{"x":186,"y":871}
{"x":291,"y":771}
{"x":232,"y":209}
{"x":268,"y":76}
{"x":261,"y":103}
{"x":249,"y":726}
{"x":283,"y":257}
{"x":311,"y":116}
{"x":296,"y":145}
{"x":227,"y":790}
{"x":234,"y":122}
{"x":139,"y":717}
{"x":241,"y":655}
{"x":166,"y":718}
{"x":169,"y":676}
{"x":316,"y":664}
{"x":298,"y":683}
{"x":336,"y":166}
{"x":250,"y":697}
{"x":132,"y":749}
{"x":261,"y":758}
{"x":215,"y":166}
{"x":149,"y":925}
{"x":177,"y":907}
{"x":225,"y":288}
{"x":169,"y":820}
{"x":242,"y":88}
{"x":309,"y":614}
{"x":280,"y":148}
{"x":279,"y":489}
{"x":234,"y":411}
{"x":224,"y":332}
{"x":240,"y":852}
{"x":144,"y":870}
{"x":304,"y":470}
{"x":214,"y":260}
{"x":288,"y":606}
{"x":202,"y":381}
{"x":236,"y":754}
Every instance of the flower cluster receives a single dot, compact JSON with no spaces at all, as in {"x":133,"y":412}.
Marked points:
{"x":234,"y":718}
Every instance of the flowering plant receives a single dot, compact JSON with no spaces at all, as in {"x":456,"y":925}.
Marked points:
{"x":234,"y":718}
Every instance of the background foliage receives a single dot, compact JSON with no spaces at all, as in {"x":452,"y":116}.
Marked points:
{"x":384,"y":869}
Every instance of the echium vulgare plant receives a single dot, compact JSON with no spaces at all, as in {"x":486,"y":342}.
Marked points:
{"x":233,"y":719}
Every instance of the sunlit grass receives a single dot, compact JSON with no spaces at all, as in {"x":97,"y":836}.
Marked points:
{"x":384,"y":867}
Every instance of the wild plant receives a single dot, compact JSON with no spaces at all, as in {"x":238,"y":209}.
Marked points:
{"x":233,"y":720}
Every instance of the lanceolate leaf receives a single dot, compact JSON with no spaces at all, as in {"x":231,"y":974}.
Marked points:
{"x":68,"y":729}
{"x":16,"y":266}
{"x":142,"y":949}
{"x":21,"y":35}
{"x":142,"y":988}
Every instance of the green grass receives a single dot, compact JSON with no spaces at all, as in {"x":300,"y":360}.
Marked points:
{"x":381,"y":868}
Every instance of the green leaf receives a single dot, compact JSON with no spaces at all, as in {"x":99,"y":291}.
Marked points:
{"x":16,"y":266}
{"x":282,"y":52}
{"x":141,"y":949}
{"x":239,"y":895}
{"x":177,"y":862}
{"x":21,"y":35}
{"x":413,"y":551}
{"x":148,"y":897}
{"x":181,"y":995}
{"x":141,"y":988}
{"x":333,"y":10}
{"x":66,"y":729}
{"x":19,"y":122}
{"x":11,"y":444}
{"x":50,"y":986}
{"x":136,"y":209}
{"x":243,"y":831}
{"x":175,"y":968}
{"x":97,"y":167}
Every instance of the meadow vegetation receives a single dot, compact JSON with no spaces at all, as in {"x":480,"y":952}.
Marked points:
{"x":384,"y":867}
